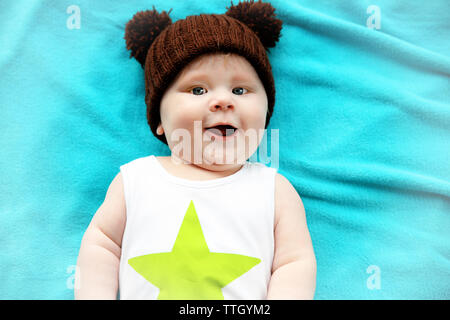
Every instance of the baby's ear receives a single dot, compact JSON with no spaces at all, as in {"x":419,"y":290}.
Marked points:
{"x":259,"y":17}
{"x":160,"y":129}
{"x":142,"y":30}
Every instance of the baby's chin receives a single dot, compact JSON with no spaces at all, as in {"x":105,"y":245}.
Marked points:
{"x":214,"y":159}
{"x":217,"y":155}
{"x":217,"y":159}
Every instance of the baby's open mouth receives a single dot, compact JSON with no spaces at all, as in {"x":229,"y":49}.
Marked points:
{"x":224,"y":130}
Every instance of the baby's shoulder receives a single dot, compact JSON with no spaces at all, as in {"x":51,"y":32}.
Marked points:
{"x":283,"y":185}
{"x":286,"y":197}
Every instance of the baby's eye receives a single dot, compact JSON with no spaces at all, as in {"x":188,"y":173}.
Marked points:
{"x":198,"y":91}
{"x":240,"y":91}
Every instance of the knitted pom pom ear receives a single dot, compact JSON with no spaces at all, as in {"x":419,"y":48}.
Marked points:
{"x":142,"y":30}
{"x":259,"y":17}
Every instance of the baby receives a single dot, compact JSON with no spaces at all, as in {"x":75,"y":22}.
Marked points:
{"x":204,"y":223}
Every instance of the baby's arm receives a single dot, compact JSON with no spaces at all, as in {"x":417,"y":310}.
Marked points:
{"x":97,"y":274}
{"x":294,"y":263}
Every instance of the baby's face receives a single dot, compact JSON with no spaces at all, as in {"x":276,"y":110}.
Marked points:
{"x":215,"y":89}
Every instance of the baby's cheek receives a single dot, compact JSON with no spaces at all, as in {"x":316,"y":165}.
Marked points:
{"x":183,"y":117}
{"x":256,"y":119}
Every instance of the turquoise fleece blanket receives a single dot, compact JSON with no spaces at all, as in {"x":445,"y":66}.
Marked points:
{"x":362,"y":109}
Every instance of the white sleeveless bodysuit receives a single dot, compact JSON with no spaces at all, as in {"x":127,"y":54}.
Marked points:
{"x":196,"y":240}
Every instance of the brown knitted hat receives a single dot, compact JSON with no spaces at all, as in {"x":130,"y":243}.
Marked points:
{"x":164,"y":49}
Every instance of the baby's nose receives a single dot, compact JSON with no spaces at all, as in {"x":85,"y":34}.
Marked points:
{"x":220,"y":106}
{"x":222,"y":102}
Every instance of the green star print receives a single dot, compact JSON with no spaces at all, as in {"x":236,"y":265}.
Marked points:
{"x":190,"y":270}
